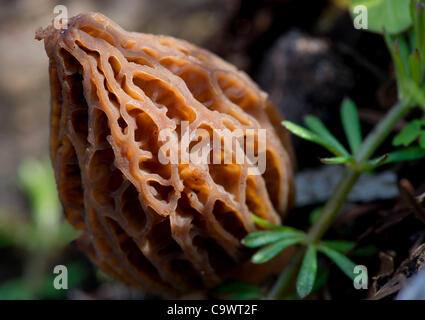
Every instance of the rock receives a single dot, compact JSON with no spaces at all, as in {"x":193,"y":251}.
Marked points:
{"x":315,"y":186}
{"x":303,"y":75}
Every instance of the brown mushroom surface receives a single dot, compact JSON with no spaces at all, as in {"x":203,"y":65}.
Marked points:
{"x":165,"y":228}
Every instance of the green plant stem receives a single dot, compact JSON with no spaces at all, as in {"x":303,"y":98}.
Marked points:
{"x":350,"y":176}
{"x":335,"y":202}
{"x":381,"y":131}
{"x":285,"y":278}
{"x":332,"y":206}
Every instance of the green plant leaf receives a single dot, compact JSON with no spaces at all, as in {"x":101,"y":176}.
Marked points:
{"x":321,"y":278}
{"x":302,"y":132}
{"x":415,"y":66}
{"x":416,"y":93}
{"x":266,"y":224}
{"x":345,"y":264}
{"x":239,"y":290}
{"x":417,"y":13}
{"x":341,"y":246}
{"x":318,"y":127}
{"x":422,"y":140}
{"x":404,"y":54}
{"x":391,"y":15}
{"x":336,"y":160}
{"x":406,"y":154}
{"x":400,"y":57}
{"x":261,"y":238}
{"x":16,"y":289}
{"x":307,"y":275}
{"x":410,"y":133}
{"x":312,"y":137}
{"x":376,"y":162}
{"x":269,"y":252}
{"x":351,"y":124}
{"x":36,"y":178}
{"x":18,"y":231}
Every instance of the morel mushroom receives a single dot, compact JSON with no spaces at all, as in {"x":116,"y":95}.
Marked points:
{"x":166,"y":228}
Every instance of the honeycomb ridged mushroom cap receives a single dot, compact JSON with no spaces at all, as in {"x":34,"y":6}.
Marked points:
{"x":165,"y":228}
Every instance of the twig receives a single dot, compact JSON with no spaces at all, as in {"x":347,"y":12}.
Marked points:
{"x":408,"y":193}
